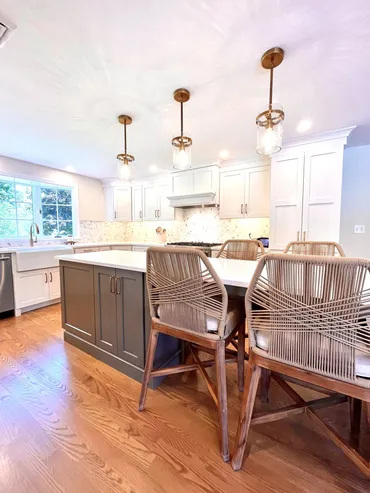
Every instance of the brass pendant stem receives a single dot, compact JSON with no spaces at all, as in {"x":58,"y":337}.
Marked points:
{"x":124,"y":133}
{"x":271,"y":87}
{"x":182,"y":119}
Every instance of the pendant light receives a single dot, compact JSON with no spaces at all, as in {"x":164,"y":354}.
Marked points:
{"x":270,"y":122}
{"x":181,"y":144}
{"x":124,"y":159}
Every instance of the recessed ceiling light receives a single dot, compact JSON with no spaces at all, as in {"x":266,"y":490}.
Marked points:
{"x":304,"y":125}
{"x":224,"y":154}
{"x":153,"y":168}
{"x":70,"y":169}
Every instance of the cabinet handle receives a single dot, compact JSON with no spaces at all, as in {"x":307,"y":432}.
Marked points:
{"x":111,"y":284}
{"x":241,"y":208}
{"x":156,"y":213}
{"x":117,"y":285}
{"x":115,"y":214}
{"x":246,"y":208}
{"x":51,"y":276}
{"x":159,"y":213}
{"x":141,"y":214}
{"x":46,"y":278}
{"x":297,"y":235}
{"x":304,"y":235}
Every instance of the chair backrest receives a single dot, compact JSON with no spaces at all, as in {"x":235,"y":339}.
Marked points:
{"x":241,"y":249}
{"x":311,"y":312}
{"x":184,"y":290}
{"x":322,"y":248}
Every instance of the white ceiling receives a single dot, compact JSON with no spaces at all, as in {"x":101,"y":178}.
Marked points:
{"x":72,"y":66}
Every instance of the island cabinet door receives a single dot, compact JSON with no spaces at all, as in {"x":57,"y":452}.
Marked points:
{"x":77,"y":293}
{"x":105,"y":309}
{"x":130,"y":316}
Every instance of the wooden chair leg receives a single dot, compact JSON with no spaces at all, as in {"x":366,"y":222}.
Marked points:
{"x":241,"y":349}
{"x":222,"y":399}
{"x":148,"y":367}
{"x":246,"y":411}
{"x":265,"y":384}
{"x":355,"y":414}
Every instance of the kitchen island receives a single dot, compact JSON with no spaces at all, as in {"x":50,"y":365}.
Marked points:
{"x":105,"y":309}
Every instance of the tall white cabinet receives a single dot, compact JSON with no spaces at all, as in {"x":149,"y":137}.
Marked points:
{"x":306,"y":188}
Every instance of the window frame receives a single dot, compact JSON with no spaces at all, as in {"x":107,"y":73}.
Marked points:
{"x":37,"y":185}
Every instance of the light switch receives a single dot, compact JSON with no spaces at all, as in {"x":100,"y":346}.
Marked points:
{"x":359,"y":228}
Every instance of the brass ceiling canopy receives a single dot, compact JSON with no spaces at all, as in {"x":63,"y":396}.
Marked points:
{"x":269,"y":122}
{"x":181,"y":95}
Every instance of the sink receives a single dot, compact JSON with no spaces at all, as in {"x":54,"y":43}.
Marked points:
{"x":43,"y":257}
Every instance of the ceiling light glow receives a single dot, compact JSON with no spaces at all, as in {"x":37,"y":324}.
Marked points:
{"x":304,"y":125}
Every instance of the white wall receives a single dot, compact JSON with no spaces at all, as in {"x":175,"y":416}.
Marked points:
{"x":356,"y":201}
{"x":90,"y":191}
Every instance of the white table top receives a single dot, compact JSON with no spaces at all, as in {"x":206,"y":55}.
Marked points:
{"x":231,"y":272}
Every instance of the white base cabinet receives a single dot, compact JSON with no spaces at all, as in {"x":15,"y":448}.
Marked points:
{"x":245,"y":192}
{"x":36,"y":286}
{"x":306,"y":188}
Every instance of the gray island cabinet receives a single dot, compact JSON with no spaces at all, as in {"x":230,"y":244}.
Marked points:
{"x":105,"y":313}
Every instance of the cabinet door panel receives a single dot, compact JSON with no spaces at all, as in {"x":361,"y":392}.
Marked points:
{"x":137,"y":203}
{"x":286,"y":198}
{"x":322,"y":193}
{"x":122,"y":204}
{"x":105,"y":309}
{"x":232,"y":194}
{"x":32,"y":288}
{"x":77,"y":292}
{"x":54,"y":283}
{"x":130,"y":317}
{"x":182,"y":183}
{"x":150,"y":203}
{"x":202,"y":180}
{"x":257,"y":192}
{"x":166,"y":213}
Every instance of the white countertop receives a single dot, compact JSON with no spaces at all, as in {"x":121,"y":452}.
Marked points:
{"x":231,"y":272}
{"x":117,"y":243}
{"x":58,"y":246}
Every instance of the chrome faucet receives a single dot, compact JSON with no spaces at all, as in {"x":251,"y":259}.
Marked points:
{"x":37,"y":231}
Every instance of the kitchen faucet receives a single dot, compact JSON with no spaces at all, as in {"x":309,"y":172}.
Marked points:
{"x":32,"y":241}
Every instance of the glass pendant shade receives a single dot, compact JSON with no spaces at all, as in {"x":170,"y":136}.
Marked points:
{"x":181,"y":154}
{"x":124,"y":171}
{"x":270,"y":130}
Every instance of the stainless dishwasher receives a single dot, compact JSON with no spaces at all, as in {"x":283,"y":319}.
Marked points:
{"x":6,"y":283}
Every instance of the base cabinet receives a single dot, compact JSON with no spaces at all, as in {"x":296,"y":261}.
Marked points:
{"x":37,"y":286}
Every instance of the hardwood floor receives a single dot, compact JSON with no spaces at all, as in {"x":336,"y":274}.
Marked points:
{"x":69,"y":423}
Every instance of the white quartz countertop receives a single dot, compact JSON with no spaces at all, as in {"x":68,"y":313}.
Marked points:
{"x":58,"y":246}
{"x":231,"y":272}
{"x":36,"y":248}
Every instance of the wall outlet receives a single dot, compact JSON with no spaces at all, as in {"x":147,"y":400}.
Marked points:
{"x":359,"y":228}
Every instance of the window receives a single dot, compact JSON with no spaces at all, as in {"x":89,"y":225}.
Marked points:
{"x":23,"y":202}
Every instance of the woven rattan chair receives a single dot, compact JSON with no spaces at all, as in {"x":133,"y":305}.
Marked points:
{"x":189,"y":301}
{"x":313,"y":325}
{"x":241,"y":249}
{"x":321,"y":248}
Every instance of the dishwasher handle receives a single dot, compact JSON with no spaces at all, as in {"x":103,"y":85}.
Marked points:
{"x":4,"y":258}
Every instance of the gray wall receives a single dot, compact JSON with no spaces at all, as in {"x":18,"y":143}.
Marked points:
{"x":356,"y":201}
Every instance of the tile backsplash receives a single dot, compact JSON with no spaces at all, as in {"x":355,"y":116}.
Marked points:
{"x":192,"y":224}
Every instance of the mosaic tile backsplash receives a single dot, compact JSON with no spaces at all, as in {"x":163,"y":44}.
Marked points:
{"x":193,"y":224}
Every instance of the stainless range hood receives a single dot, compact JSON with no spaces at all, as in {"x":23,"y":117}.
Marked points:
{"x":193,"y":199}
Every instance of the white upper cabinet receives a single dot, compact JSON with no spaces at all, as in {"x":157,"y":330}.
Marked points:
{"x":137,"y":203}
{"x":245,"y":192}
{"x":306,"y":188}
{"x":150,"y":202}
{"x":232,"y":189}
{"x":118,"y":203}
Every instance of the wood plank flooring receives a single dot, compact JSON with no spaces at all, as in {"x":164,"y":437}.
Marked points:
{"x":69,"y":423}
